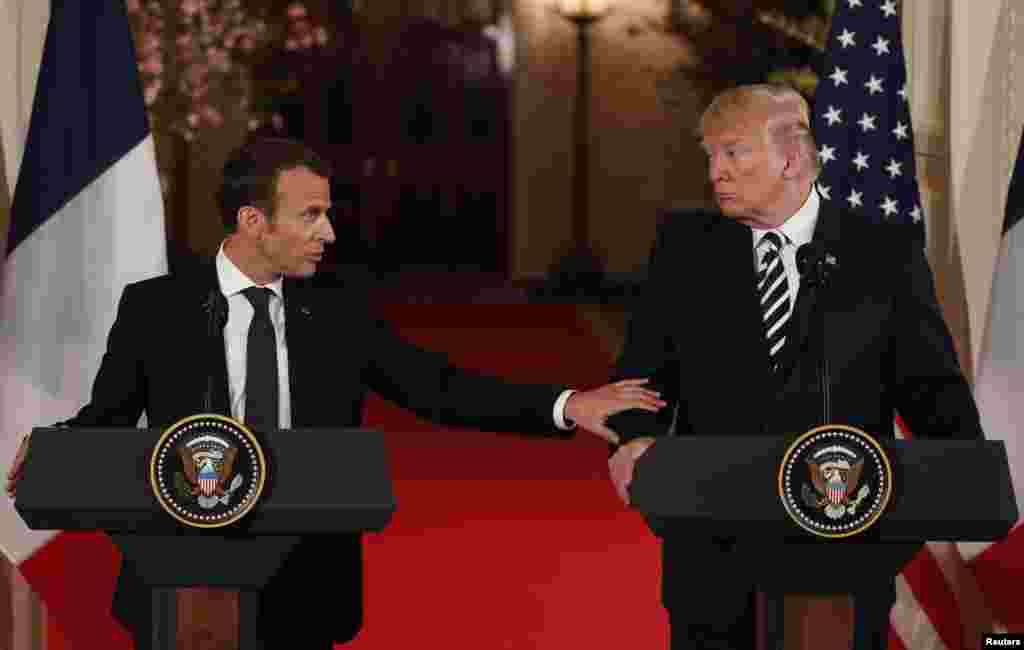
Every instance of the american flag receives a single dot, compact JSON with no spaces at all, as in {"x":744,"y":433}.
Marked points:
{"x":861,"y":116}
{"x":865,"y":143}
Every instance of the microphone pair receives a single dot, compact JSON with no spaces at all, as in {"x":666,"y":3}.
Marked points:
{"x":815,"y":264}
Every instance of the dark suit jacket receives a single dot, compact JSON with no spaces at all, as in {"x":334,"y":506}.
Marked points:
{"x":160,"y":353}
{"x":697,"y":330}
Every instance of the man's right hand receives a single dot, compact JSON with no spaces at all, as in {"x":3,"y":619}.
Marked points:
{"x":15,"y":473}
{"x":622,"y":462}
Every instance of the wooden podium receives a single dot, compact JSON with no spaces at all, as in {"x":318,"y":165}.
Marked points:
{"x":943,"y":490}
{"x":321,"y":482}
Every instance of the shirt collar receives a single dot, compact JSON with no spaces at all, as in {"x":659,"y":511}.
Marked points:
{"x":798,"y":229}
{"x":232,"y":280}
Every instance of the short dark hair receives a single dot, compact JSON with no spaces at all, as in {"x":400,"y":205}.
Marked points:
{"x":251,"y":173}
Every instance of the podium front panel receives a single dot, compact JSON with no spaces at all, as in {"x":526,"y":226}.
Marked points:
{"x":954,"y":490}
{"x":320,"y":481}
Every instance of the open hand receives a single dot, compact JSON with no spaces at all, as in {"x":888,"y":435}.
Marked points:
{"x":590,"y":409}
{"x":15,"y":473}
{"x":622,"y":463}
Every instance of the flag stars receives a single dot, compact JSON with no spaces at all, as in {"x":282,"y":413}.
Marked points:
{"x":867,"y":122}
{"x":834,"y":115}
{"x":838,"y":76}
{"x":874,"y":84}
{"x":873,"y":164}
{"x":889,"y":206}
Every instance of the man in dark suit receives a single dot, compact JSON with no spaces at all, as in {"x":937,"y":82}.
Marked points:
{"x":739,"y":351}
{"x":283,"y":357}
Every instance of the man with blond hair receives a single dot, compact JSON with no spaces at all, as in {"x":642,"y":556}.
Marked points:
{"x":732,"y":336}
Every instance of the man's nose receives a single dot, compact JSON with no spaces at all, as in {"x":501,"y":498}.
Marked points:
{"x":716,"y":170}
{"x":327,"y":231}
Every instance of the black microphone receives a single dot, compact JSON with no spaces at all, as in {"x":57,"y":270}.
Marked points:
{"x":810,"y":259}
{"x":216,"y":307}
{"x":816,"y":265}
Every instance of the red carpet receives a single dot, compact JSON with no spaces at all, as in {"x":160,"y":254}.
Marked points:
{"x":499,"y":542}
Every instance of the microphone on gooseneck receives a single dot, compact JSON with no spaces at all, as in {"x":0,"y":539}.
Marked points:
{"x":216,"y":308}
{"x":815,"y":266}
{"x":809,"y":261}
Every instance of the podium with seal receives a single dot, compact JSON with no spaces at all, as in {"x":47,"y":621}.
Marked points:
{"x":206,"y":504}
{"x":831,"y":497}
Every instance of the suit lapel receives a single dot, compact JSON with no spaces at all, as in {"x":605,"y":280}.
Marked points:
{"x":800,"y":324}
{"x":298,"y":316}
{"x":207,"y":288}
{"x":737,"y":277}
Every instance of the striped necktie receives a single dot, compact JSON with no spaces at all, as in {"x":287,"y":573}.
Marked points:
{"x":773,"y":293}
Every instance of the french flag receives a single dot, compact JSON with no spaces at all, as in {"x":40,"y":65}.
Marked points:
{"x":86,"y":219}
{"x":953,"y":592}
{"x":999,"y":567}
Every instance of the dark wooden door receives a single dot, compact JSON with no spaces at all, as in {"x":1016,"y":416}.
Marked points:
{"x":421,"y":144}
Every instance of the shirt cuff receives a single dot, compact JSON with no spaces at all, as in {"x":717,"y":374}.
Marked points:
{"x":559,"y":411}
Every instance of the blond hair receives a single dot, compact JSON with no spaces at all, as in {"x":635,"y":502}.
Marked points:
{"x":785,"y":113}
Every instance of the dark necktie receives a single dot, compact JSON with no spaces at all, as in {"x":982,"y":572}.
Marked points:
{"x":773,"y":292}
{"x":261,"y":389}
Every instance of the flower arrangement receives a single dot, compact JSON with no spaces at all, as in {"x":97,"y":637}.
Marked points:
{"x":301,"y":33}
{"x":762,"y":40}
{"x":195,"y":57}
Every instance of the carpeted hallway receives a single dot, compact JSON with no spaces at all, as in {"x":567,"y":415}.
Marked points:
{"x":501,"y":541}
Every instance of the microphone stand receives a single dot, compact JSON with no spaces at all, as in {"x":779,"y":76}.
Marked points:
{"x":814,"y":269}
{"x":821,"y":274}
{"x":215,"y":323}
{"x":826,"y":383}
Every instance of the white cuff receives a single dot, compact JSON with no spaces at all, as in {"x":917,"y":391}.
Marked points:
{"x":559,"y":411}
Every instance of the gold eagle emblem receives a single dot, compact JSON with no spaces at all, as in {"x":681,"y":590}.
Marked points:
{"x":207,"y":472}
{"x":835,"y":473}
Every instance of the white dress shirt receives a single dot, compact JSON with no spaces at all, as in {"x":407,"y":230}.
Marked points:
{"x":236,"y":337}
{"x":795,"y":232}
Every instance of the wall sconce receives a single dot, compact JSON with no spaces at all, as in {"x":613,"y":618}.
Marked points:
{"x":583,"y":9}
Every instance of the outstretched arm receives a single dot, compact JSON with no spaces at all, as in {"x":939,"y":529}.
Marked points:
{"x":427,"y":383}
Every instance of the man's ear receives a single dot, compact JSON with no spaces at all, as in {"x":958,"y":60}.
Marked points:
{"x":795,"y":162}
{"x":250,"y":219}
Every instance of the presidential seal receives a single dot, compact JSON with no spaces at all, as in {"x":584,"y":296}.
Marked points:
{"x":835,"y":481}
{"x":207,"y":471}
